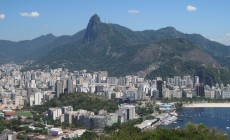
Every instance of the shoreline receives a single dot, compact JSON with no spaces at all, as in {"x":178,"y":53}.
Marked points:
{"x":196,"y":105}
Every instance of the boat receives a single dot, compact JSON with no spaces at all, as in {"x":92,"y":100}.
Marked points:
{"x":177,"y":127}
{"x":179,"y":119}
{"x":173,"y":114}
{"x":189,"y":116}
{"x":227,"y":127}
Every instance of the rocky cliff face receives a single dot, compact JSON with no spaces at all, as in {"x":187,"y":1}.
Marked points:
{"x":92,"y":29}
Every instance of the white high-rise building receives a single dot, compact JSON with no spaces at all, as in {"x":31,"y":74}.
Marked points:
{"x":167,"y":93}
{"x":209,"y":93}
{"x":66,"y":109}
{"x":177,"y":81}
{"x":112,"y":80}
{"x":70,"y":86}
{"x":122,"y":81}
{"x":38,"y":96}
{"x":54,"y":113}
{"x":197,"y":80}
{"x":225,"y":94}
{"x":33,"y":84}
{"x":18,"y":100}
{"x":58,"y":88}
{"x":31,"y":99}
{"x":126,"y":112}
{"x":176,"y":93}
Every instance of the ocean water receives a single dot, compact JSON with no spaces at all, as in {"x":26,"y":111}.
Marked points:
{"x":212,"y":117}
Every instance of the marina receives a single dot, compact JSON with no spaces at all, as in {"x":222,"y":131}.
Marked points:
{"x":211,"y":117}
{"x":217,"y":118}
{"x":162,"y":119}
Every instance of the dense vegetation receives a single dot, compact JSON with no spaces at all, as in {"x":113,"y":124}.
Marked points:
{"x":11,"y":124}
{"x":179,"y":67}
{"x":19,"y":125}
{"x":190,"y":132}
{"x":86,"y":101}
{"x":144,"y":111}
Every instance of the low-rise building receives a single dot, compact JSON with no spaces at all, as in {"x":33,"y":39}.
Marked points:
{"x":9,"y":114}
{"x":55,"y":131}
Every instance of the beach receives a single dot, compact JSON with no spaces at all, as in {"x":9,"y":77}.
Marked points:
{"x":207,"y":105}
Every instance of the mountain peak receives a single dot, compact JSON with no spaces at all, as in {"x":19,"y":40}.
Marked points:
{"x":91,"y":30}
{"x":50,"y":35}
{"x":95,"y":19}
{"x":169,"y":29}
{"x":45,"y":37}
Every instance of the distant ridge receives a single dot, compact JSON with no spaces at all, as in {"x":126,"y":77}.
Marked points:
{"x":122,"y":51}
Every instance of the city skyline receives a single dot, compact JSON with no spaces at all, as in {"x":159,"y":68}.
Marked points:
{"x":22,"y":20}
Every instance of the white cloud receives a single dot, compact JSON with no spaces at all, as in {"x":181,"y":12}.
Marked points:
{"x":222,"y":39}
{"x":2,"y":16}
{"x":30,"y":14}
{"x":227,"y":34}
{"x":204,"y":35}
{"x":191,"y":8}
{"x":134,"y":11}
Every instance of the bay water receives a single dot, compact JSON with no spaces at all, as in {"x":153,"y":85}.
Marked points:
{"x":212,"y":117}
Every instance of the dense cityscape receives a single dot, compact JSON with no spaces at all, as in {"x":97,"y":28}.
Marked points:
{"x":36,"y":86}
{"x":27,"y":89}
{"x":114,"y":70}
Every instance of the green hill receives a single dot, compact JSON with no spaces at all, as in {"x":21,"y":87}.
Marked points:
{"x":85,"y":101}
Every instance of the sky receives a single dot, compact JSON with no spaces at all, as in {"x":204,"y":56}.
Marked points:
{"x":28,"y":19}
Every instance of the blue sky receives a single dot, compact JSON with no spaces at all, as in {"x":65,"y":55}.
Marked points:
{"x":28,"y":19}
